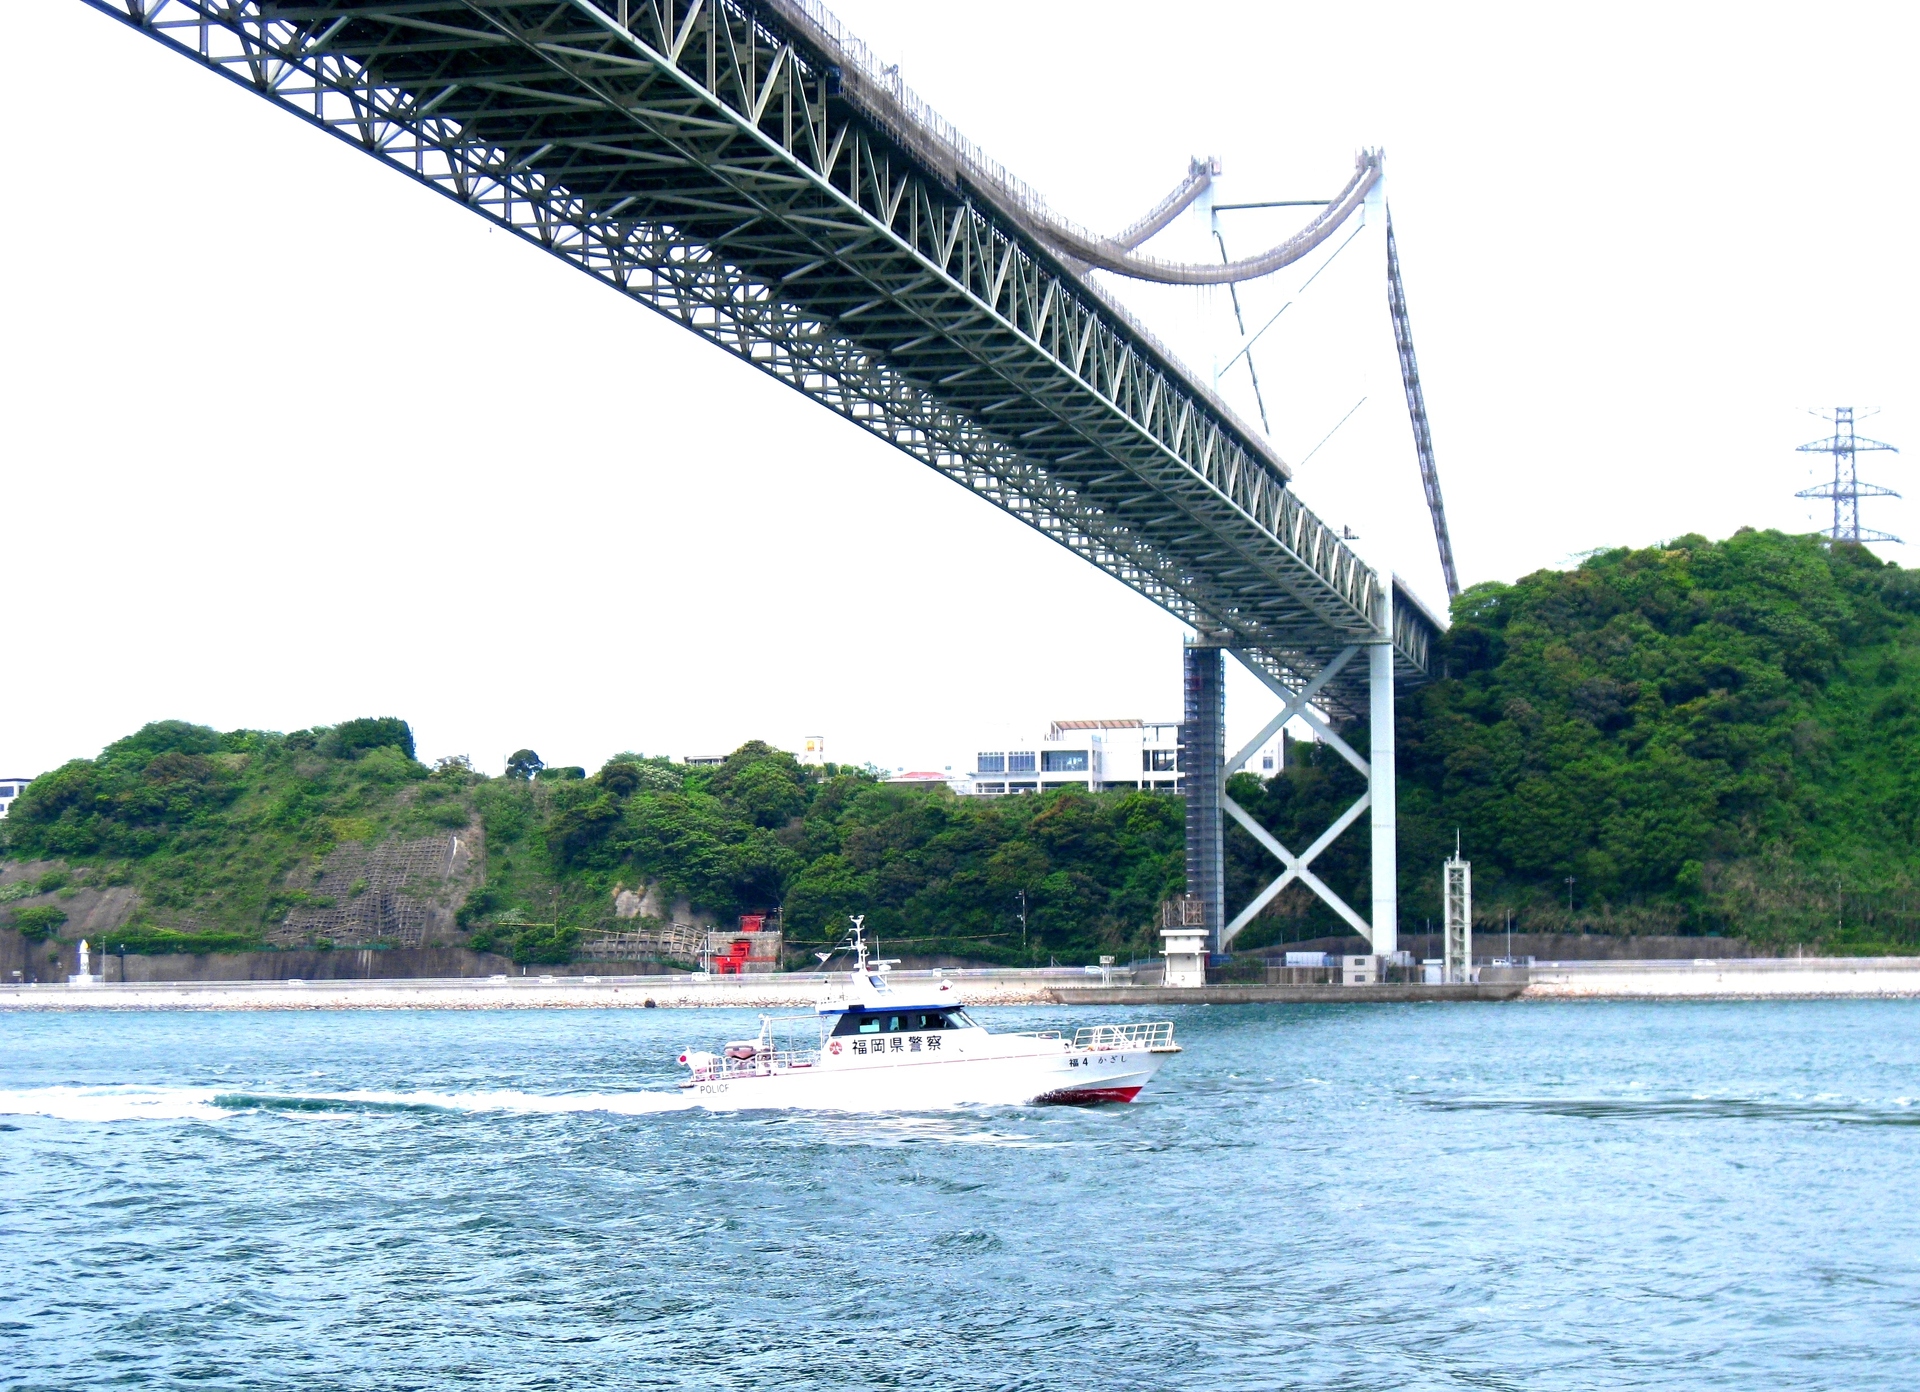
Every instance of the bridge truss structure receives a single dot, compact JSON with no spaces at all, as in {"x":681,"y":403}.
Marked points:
{"x":750,"y":171}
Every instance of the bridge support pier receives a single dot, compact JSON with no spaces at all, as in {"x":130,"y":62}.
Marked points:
{"x":1205,"y":778}
{"x":1203,"y":748}
{"x":1385,"y":937}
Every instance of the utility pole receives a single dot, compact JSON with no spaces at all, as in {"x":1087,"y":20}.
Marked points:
{"x":1023,"y":918}
{"x":1569,"y":901}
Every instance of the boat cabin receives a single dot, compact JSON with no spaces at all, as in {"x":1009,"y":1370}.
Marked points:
{"x":892,"y":1020}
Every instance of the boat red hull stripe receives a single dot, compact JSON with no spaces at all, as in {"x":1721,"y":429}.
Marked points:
{"x":1080,"y":1097}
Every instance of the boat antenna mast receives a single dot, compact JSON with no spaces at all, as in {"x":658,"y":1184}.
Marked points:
{"x":855,"y":941}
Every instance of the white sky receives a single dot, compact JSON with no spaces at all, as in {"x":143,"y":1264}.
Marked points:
{"x":289,"y":439}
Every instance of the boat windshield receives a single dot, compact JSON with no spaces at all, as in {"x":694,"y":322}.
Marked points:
{"x":900,"y":1021}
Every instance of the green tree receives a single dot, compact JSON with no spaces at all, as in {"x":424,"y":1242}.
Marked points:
{"x":39,"y":923}
{"x":354,"y":736}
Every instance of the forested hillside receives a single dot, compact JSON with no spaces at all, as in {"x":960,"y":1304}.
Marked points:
{"x":931,"y":871}
{"x":1704,"y":737}
{"x":222,"y":837}
{"x":215,"y":834}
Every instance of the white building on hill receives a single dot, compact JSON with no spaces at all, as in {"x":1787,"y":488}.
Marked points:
{"x":11,"y":788}
{"x":1096,"y":755}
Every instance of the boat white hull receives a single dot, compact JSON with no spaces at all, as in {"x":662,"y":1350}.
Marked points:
{"x":1077,"y":1078}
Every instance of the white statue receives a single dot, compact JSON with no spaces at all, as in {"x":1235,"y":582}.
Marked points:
{"x":83,"y":957}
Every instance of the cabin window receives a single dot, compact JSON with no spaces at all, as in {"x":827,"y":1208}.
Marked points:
{"x":899,"y":1021}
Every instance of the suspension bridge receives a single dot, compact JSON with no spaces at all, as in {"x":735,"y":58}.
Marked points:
{"x":751,"y":171}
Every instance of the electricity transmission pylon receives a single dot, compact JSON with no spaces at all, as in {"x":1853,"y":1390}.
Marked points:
{"x":1846,"y":490}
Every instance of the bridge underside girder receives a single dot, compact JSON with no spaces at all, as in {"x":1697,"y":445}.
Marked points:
{"x":728,"y":169}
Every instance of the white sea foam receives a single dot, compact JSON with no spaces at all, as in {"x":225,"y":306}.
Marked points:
{"x":112,"y":1103}
{"x":133,"y":1103}
{"x":508,"y":1100}
{"x":949,"y":1126}
{"x":98,"y":1104}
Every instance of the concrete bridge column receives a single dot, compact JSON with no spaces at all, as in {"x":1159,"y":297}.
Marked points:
{"x":1380,"y":786}
{"x":1203,"y":753}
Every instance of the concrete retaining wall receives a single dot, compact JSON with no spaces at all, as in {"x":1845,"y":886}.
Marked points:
{"x":1559,"y":947}
{"x":36,"y":962}
{"x":1703,"y":978}
{"x":790,"y":992}
{"x":1698,"y":980}
{"x":1284,"y":995}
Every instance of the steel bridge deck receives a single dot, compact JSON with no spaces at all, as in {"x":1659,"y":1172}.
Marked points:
{"x":745,"y":170}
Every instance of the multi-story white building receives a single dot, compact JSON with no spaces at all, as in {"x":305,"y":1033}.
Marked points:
{"x":1094,"y":754}
{"x":11,"y":788}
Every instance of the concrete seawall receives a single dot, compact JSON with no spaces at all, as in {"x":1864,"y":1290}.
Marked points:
{"x":1703,"y":979}
{"x":495,"y":993}
{"x":1767,"y":978}
{"x":1284,"y":995}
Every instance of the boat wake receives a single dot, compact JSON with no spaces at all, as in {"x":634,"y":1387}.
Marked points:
{"x":133,"y":1103}
{"x":1899,"y":1112}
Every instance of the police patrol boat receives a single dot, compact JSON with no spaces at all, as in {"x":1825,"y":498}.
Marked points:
{"x":878,"y":1045}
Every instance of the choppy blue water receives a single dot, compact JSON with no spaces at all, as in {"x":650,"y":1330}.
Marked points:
{"x":1516,"y":1196}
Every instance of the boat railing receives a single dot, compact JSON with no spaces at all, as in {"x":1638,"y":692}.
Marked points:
{"x":1157,"y":1034}
{"x":757,"y":1065}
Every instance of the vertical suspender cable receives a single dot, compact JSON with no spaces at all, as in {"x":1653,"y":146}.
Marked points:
{"x":1417,"y":409}
{"x":1241,"y":324}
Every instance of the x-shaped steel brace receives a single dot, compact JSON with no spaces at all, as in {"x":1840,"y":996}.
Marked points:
{"x":1295,"y":703}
